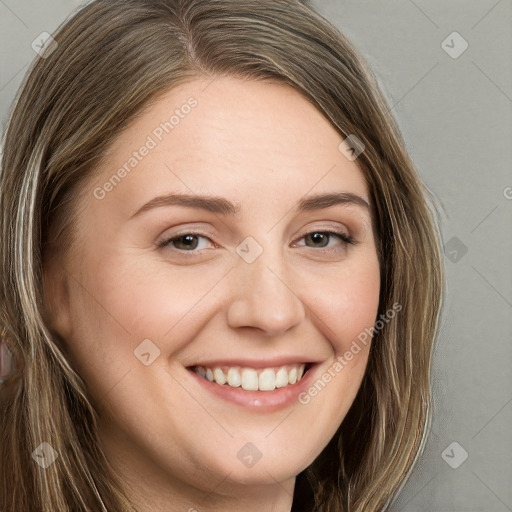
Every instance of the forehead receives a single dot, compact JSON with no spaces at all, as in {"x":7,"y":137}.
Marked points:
{"x":251,"y":139}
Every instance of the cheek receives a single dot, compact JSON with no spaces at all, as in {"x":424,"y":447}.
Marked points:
{"x":349,"y":303}
{"x":122,"y":300}
{"x":143,"y":296}
{"x":347,"y":309}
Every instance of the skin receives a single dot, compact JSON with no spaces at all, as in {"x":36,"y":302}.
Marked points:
{"x":263,"y":146}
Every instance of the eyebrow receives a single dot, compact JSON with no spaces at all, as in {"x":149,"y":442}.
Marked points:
{"x":222,"y":206}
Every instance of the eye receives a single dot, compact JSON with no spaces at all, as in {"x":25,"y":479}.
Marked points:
{"x":190,"y":242}
{"x":186,"y":242}
{"x":319,"y":237}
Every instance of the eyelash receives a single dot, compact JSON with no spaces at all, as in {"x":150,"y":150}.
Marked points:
{"x":346,"y":240}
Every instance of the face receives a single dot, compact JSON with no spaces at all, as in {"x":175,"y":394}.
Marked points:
{"x":209,"y":258}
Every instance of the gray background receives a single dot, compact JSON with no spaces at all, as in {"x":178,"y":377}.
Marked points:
{"x":456,"y":115}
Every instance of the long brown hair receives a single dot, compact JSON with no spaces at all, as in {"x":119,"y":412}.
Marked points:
{"x":109,"y":61}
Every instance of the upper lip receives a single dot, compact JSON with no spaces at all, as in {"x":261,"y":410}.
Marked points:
{"x":256,"y":363}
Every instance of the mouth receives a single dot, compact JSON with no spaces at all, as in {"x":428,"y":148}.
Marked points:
{"x":258,"y":385}
{"x":253,"y":379}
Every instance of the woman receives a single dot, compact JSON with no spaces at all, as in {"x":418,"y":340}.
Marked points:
{"x":181,"y":341}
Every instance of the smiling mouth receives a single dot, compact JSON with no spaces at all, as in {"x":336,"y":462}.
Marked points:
{"x":254,"y":379}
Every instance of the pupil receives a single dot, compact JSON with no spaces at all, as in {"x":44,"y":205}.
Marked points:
{"x":315,"y":236}
{"x":188,"y":240}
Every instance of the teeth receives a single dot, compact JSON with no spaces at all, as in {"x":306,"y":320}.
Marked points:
{"x":249,"y":380}
{"x":219,"y":376}
{"x":266,"y":379}
{"x":234,"y":379}
{"x":281,"y":378}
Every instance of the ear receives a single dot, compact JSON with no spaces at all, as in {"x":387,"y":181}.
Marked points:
{"x":57,"y":311}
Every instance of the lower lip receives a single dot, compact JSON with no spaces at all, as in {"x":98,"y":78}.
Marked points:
{"x":262,"y":401}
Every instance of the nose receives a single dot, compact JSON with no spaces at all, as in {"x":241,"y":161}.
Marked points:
{"x":263,"y":296}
